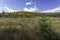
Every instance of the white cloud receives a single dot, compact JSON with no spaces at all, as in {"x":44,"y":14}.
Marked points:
{"x":32,"y":9}
{"x":28,"y":3}
{"x":57,"y":9}
{"x":9,"y":9}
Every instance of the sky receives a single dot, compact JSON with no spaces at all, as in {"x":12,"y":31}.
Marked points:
{"x":30,"y":5}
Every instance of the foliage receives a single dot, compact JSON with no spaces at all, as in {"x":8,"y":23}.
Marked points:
{"x":45,"y":32}
{"x":26,"y":14}
{"x":28,"y":26}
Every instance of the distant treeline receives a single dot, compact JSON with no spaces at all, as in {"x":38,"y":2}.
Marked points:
{"x":26,"y":14}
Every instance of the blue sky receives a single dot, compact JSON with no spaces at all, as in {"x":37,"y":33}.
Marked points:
{"x":30,"y":5}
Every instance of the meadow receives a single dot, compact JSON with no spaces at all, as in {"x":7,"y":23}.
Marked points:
{"x":26,"y":26}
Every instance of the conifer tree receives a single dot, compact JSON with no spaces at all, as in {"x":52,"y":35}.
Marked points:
{"x":45,"y":30}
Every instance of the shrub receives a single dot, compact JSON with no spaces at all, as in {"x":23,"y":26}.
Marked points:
{"x":45,"y":31}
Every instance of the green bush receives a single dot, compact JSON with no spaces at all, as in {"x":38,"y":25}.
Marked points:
{"x":45,"y":31}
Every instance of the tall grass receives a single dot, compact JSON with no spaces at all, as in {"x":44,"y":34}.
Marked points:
{"x":17,"y":26}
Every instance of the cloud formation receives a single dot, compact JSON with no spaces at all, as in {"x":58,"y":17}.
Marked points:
{"x":57,"y":9}
{"x":9,"y":9}
{"x":32,"y":9}
{"x":28,"y":3}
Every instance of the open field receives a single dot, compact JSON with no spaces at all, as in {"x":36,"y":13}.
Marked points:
{"x":25,"y":26}
{"x":29,"y":22}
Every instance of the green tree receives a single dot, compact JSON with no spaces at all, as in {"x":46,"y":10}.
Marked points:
{"x":45,"y":31}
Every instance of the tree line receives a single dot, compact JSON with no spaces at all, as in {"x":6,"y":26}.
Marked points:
{"x":26,"y":14}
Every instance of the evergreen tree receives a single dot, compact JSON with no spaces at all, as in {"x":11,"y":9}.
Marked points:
{"x":45,"y":31}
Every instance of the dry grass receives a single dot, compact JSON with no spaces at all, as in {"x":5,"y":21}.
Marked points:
{"x":29,"y":23}
{"x":56,"y":24}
